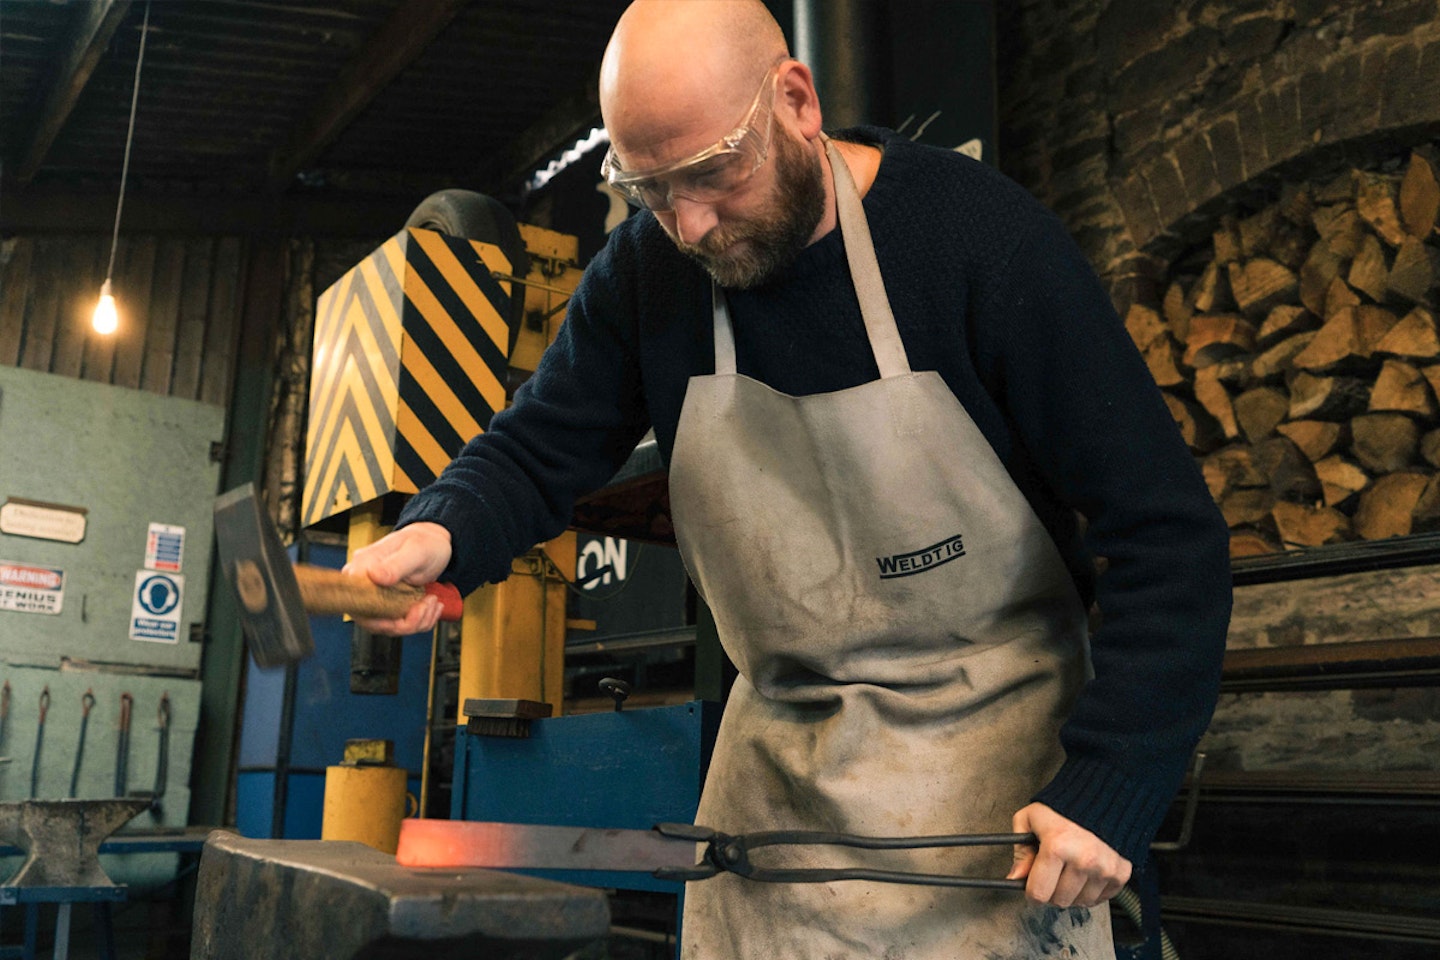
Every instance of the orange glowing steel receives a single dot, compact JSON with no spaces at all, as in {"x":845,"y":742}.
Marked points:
{"x":451,"y":843}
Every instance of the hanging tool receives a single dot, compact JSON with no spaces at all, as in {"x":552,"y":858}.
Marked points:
{"x":275,"y":594}
{"x":39,"y":742}
{"x":162,"y":762}
{"x":86,"y":702}
{"x":4,"y":718}
{"x":122,"y":744}
{"x":667,"y":852}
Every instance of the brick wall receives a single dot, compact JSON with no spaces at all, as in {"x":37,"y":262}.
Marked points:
{"x":1140,"y":121}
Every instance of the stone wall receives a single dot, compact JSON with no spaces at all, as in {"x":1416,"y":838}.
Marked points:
{"x":1140,"y":121}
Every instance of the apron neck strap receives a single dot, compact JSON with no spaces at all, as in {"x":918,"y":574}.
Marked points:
{"x":724,"y":333}
{"x":865,"y":271}
{"x":880,"y":326}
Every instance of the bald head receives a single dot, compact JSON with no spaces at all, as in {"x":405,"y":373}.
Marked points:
{"x":679,"y":71}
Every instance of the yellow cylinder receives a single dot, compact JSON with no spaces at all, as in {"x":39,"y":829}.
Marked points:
{"x":364,"y":803}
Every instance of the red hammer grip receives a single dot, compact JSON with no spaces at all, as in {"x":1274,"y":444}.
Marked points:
{"x":452,"y":605}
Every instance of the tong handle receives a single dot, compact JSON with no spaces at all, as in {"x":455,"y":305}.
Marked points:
{"x":731,"y":854}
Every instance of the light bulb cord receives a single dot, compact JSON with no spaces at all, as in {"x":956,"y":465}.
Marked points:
{"x":129,"y":138}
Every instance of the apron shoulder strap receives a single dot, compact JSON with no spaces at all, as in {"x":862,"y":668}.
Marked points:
{"x":724,"y":336}
{"x":865,"y":271}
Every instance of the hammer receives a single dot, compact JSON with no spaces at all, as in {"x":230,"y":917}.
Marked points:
{"x":275,"y":595}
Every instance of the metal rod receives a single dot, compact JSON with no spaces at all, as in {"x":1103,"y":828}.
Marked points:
{"x":511,"y":278}
{"x":39,"y":742}
{"x":429,"y":725}
{"x":86,"y":702}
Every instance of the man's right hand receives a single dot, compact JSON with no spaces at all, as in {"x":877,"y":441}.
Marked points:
{"x":416,"y":554}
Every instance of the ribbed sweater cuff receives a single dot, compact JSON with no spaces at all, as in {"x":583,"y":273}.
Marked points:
{"x":1125,"y":813}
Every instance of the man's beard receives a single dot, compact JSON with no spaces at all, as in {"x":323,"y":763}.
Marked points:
{"x":772,"y":239}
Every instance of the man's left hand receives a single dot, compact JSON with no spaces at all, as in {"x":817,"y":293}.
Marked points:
{"x":1073,"y":867}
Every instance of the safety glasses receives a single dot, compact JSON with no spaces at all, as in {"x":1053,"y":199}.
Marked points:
{"x":710,"y":175}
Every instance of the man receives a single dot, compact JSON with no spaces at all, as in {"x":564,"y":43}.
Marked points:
{"x":892,"y":557}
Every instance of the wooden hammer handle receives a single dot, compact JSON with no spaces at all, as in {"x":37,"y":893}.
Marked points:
{"x":328,"y":592}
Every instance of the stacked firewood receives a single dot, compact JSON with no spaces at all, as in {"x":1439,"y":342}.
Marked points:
{"x":1301,"y":360}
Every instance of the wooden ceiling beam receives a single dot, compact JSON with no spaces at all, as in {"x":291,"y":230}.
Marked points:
{"x":392,"y":48}
{"x":95,"y":26}
{"x":554,"y":131}
{"x":33,"y":212}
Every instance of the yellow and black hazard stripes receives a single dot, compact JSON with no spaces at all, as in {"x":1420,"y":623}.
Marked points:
{"x":409,"y":364}
{"x":354,"y":385}
{"x":454,"y":356}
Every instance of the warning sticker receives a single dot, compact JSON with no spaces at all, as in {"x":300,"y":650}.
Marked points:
{"x":155,"y":614}
{"x":27,"y":589}
{"x":164,"y":548}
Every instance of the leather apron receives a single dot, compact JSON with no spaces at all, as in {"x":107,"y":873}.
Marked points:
{"x":908,"y":641}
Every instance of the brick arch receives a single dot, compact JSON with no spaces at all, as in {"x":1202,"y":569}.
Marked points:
{"x":1359,"y":104}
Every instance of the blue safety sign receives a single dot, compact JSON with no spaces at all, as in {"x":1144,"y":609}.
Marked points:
{"x":155,"y":613}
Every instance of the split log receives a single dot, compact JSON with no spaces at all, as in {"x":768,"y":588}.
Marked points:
{"x":1316,"y":439}
{"x":1384,"y":442}
{"x":1387,"y":509}
{"x":1327,"y":398}
{"x":1376,"y":199}
{"x":1232,"y":468}
{"x":1144,"y":325}
{"x":1369,"y":273}
{"x":1415,"y":337}
{"x":1177,"y":313}
{"x":1419,"y":198}
{"x":1430,"y":448}
{"x":1335,"y":346}
{"x":1340,"y":229}
{"x":1258,"y":231}
{"x":1338,"y":296}
{"x":1242,"y":507}
{"x":1226,"y":241}
{"x":1347,"y":339}
{"x":1401,"y":389}
{"x":1340,"y":480}
{"x":1251,"y":543}
{"x":1260,"y":411}
{"x":1260,"y":284}
{"x":1211,"y":394}
{"x":1297,"y":203}
{"x":1416,"y":269}
{"x":1306,"y":526}
{"x":1432,"y":376}
{"x":1199,"y":431}
{"x":1321,"y":268}
{"x":1291,"y":245}
{"x":1339,"y":190}
{"x":1284,"y":321}
{"x":1211,"y":293}
{"x":1280,"y":358}
{"x":1216,"y":337}
{"x":1373,"y":325}
{"x":1162,"y":357}
{"x":1425,"y":518}
{"x":1291,"y":476}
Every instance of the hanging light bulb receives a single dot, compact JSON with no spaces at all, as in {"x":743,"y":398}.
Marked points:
{"x":106,"y":320}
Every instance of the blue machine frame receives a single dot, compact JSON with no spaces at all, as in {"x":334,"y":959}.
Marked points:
{"x":629,"y":769}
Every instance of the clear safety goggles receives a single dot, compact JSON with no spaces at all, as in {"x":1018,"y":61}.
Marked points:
{"x":710,"y":175}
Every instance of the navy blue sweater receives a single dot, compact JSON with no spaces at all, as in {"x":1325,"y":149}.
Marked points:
{"x":988,"y":289}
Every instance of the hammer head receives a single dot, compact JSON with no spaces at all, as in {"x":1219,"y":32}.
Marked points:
{"x":255,"y":564}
